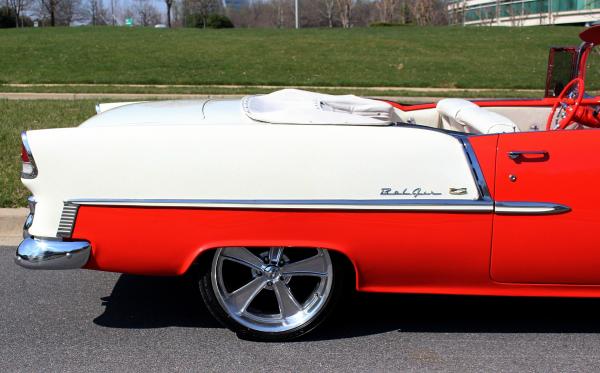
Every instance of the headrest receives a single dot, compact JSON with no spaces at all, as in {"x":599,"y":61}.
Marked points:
{"x":476,"y":118}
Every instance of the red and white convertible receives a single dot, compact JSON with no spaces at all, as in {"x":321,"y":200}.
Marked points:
{"x":279,"y":202}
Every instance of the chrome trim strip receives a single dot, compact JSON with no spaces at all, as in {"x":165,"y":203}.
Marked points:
{"x":501,"y":208}
{"x":36,"y":253}
{"x":530,"y":208}
{"x":34,"y":171}
{"x":67,"y":220}
{"x":404,"y":205}
{"x":484,"y":192}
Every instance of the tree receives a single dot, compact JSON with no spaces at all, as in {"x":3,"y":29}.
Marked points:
{"x":177,"y":18}
{"x":197,"y":11}
{"x":61,"y":12}
{"x":146,"y":13}
{"x":345,"y":8}
{"x":429,"y":12}
{"x":254,"y":14}
{"x":387,"y":10}
{"x":97,"y":13}
{"x":7,"y":17}
{"x":18,"y":7}
{"x":51,"y":7}
{"x":169,"y":4}
{"x":68,"y":11}
{"x":279,"y":12}
{"x":327,"y":9}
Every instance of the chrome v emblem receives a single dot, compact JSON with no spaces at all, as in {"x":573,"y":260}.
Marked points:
{"x":458,"y":191}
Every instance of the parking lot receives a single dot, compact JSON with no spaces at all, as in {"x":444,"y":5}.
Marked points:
{"x":93,"y":321}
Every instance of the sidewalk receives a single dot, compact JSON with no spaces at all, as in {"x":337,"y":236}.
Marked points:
{"x":11,"y":225}
{"x":163,"y":96}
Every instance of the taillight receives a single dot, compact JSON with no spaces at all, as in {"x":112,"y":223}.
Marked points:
{"x":28,"y":170}
{"x":24,"y":155}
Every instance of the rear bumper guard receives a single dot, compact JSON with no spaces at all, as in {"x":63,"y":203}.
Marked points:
{"x":36,"y":253}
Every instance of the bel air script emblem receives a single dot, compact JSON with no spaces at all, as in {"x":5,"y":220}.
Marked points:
{"x":416,"y":192}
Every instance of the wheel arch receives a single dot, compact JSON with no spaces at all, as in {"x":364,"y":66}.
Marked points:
{"x":204,"y":255}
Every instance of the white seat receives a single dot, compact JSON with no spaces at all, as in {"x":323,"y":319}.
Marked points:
{"x":465,"y":115}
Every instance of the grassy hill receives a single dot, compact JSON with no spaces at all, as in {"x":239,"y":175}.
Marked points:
{"x":393,"y":56}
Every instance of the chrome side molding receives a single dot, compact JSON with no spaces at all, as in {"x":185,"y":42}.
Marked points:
{"x":36,"y":253}
{"x":529,"y":208}
{"x":432,"y":205}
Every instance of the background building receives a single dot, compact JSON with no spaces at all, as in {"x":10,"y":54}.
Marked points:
{"x":235,"y":4}
{"x":523,"y":12}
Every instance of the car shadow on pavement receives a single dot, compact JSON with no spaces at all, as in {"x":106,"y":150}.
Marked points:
{"x":369,"y":314}
{"x":155,"y":302}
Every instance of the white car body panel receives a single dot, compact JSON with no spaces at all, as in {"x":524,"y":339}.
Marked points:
{"x":169,"y":113}
{"x":130,"y":159}
{"x":101,"y":108}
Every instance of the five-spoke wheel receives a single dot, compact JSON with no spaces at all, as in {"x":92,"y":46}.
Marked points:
{"x":271,"y":293}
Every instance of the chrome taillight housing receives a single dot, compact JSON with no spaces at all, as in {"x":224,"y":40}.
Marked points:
{"x":29,"y":220}
{"x":28,"y":169}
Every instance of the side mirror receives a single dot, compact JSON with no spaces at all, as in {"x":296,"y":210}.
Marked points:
{"x":562,"y":68}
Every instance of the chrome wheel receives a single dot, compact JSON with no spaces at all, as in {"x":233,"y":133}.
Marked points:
{"x":273,"y":289}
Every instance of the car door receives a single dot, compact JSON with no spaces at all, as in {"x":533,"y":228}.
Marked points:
{"x":547,"y":211}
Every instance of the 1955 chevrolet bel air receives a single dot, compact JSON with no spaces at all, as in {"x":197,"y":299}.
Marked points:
{"x":282,"y":201}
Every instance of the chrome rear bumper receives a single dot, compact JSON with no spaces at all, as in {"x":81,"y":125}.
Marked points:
{"x":35,"y":253}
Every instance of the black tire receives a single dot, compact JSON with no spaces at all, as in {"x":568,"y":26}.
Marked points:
{"x":335,"y":297}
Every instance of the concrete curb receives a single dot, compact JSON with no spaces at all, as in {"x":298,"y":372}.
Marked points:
{"x":100,"y":96}
{"x":11,"y":225}
{"x":169,"y":96}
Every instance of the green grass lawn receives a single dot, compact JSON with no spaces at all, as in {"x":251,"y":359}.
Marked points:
{"x":17,"y":116}
{"x":463,"y":57}
{"x":220,"y":90}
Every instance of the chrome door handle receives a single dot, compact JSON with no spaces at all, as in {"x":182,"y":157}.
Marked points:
{"x":516,"y":154}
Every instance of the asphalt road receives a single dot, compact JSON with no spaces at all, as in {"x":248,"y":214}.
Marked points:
{"x":89,"y":321}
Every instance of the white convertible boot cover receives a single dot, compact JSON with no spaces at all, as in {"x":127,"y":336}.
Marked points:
{"x":475,"y":118}
{"x":295,"y":106}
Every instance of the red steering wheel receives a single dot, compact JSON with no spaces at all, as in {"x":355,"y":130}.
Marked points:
{"x":568,"y":105}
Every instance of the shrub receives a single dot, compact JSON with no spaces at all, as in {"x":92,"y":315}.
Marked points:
{"x":218,"y":21}
{"x":7,"y":18}
{"x":212,"y":20}
{"x":386,"y":24}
